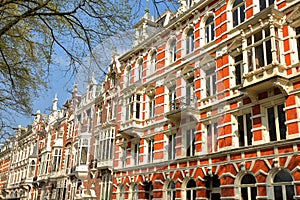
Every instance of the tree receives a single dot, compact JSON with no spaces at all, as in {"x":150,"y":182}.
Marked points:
{"x":32,"y":31}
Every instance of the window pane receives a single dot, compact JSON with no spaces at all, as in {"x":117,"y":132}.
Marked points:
{"x":271,"y":124}
{"x":281,"y":120}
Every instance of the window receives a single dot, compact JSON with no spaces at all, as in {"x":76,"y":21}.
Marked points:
{"x":298,"y":41}
{"x":210,"y":79}
{"x":135,"y":192}
{"x":150,"y":150}
{"x":190,"y":41}
{"x":191,"y":190}
{"x":122,"y":192}
{"x":99,"y":113}
{"x":212,"y":135}
{"x":109,"y":110}
{"x":106,"y":187}
{"x":248,"y":187}
{"x":153,"y":62}
{"x":151,"y":106}
{"x":189,"y":3}
{"x":190,"y":100}
{"x":105,"y":141}
{"x":238,"y":64}
{"x":172,"y":50}
{"x":265,"y":3}
{"x":83,"y":149}
{"x":171,"y":191}
{"x":238,"y":12}
{"x":172,"y":98}
{"x":44,"y":164}
{"x":124,"y":156}
{"x":31,"y":169}
{"x":283,"y":186}
{"x":128,"y":75}
{"x":140,"y":69}
{"x":259,"y":49}
{"x":171,"y":147}
{"x":212,"y":185}
{"x":276,"y":122}
{"x":209,"y":29}
{"x":148,"y":191}
{"x":56,"y":159}
{"x":190,"y":146}
{"x":133,"y":107}
{"x":244,"y":130}
{"x":136,"y":153}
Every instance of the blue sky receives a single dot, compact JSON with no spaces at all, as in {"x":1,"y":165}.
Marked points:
{"x":61,"y":83}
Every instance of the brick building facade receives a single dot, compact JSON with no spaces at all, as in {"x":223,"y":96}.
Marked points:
{"x":204,"y":106}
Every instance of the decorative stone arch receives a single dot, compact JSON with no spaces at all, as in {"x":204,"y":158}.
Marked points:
{"x":270,"y":179}
{"x":184,"y":186}
{"x":131,"y":189}
{"x":166,"y":187}
{"x":202,"y":26}
{"x":238,"y":179}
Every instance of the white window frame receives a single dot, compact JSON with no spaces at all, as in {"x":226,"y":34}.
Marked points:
{"x":56,"y":160}
{"x":283,"y":185}
{"x":277,"y":123}
{"x":190,"y":41}
{"x":190,"y":139}
{"x":84,"y":144}
{"x":150,"y":150}
{"x":172,"y":98}
{"x":171,"y":146}
{"x":238,"y":12}
{"x":210,"y":81}
{"x":153,"y":60}
{"x":248,"y":187}
{"x":105,"y":140}
{"x":106,"y":184}
{"x":171,"y":191}
{"x":173,"y":50}
{"x":243,"y":123}
{"x":209,"y":29}
{"x":212,"y":129}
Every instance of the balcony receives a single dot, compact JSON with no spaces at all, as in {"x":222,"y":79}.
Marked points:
{"x":266,"y":78}
{"x":82,"y":171}
{"x":182,"y":108}
{"x":104,"y":164}
{"x":131,"y":128}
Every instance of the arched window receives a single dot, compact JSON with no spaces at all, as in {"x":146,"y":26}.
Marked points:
{"x":153,"y":62}
{"x":172,"y":51}
{"x":238,"y":12}
{"x":149,"y":191}
{"x":248,"y":187}
{"x":191,"y":190}
{"x":209,"y":29}
{"x":190,"y":41}
{"x":171,"y":191}
{"x":265,"y":3}
{"x":283,"y":188}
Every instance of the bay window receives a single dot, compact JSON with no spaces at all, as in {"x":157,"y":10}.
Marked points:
{"x":133,"y":107}
{"x":84,"y":144}
{"x":56,"y":160}
{"x":105,"y":141}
